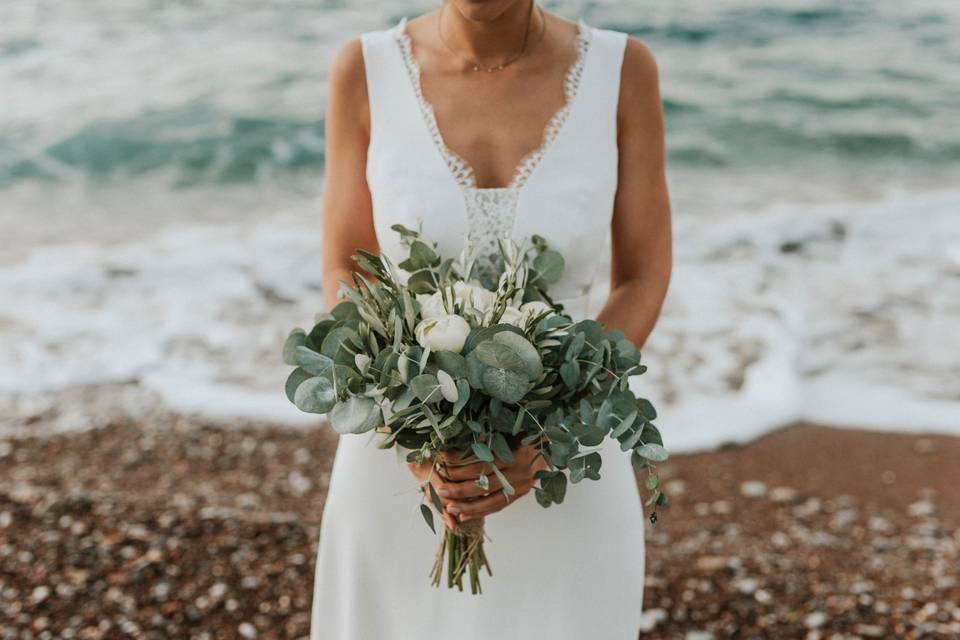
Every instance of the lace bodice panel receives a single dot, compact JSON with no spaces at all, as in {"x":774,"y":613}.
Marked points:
{"x":491,"y":211}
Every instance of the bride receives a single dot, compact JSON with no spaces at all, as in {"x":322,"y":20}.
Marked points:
{"x":478,"y":119}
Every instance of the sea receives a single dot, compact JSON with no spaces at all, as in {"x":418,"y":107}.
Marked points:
{"x":161,"y":174}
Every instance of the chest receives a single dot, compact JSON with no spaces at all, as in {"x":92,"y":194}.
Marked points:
{"x":493,"y":120}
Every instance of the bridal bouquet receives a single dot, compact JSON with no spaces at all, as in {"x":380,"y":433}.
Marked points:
{"x":448,"y":356}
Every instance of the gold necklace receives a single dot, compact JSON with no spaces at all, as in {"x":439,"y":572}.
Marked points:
{"x":476,"y":66}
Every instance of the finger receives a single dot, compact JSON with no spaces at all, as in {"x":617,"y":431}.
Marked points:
{"x":470,"y":471}
{"x":449,"y":520}
{"x":466,"y":489}
{"x":479,"y":507}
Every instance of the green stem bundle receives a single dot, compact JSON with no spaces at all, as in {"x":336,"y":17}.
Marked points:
{"x":463,"y":551}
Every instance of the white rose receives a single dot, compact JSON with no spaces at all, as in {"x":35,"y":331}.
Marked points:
{"x":443,"y":333}
{"x":514,"y":316}
{"x":473,"y":297}
{"x":431,"y":305}
{"x":534,"y":309}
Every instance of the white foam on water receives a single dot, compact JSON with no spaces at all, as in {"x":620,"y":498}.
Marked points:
{"x":842,"y":314}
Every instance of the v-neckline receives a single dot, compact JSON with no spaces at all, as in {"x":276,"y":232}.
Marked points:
{"x":461,"y":170}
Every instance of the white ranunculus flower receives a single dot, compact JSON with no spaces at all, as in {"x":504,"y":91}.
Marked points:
{"x":512,"y":315}
{"x":535,"y":308}
{"x":473,"y":296}
{"x":431,"y":305}
{"x":443,"y":333}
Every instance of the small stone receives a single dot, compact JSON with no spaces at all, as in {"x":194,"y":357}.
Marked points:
{"x":921,"y":508}
{"x":247,"y":630}
{"x":783,"y":494}
{"x":711,"y":563}
{"x":40,"y":594}
{"x":746,"y":585}
{"x":675,"y":487}
{"x":753,"y":489}
{"x":923,"y":446}
{"x":815,"y":620}
{"x":650,"y":618}
{"x":870,"y":630}
{"x":698,"y":635}
{"x":721,"y":507}
{"x":780,"y":540}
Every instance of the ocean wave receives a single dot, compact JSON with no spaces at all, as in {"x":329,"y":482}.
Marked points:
{"x":843,"y":313}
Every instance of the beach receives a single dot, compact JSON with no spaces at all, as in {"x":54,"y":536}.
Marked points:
{"x":161,"y":180}
{"x":175,"y":527}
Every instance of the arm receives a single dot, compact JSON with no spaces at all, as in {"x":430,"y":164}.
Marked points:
{"x":347,"y":208}
{"x":641,"y":238}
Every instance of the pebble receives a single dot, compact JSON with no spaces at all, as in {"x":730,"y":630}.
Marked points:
{"x":783,"y":494}
{"x":40,"y":593}
{"x":815,"y":620}
{"x":921,"y":509}
{"x":247,"y":630}
{"x":650,"y":618}
{"x":753,"y":489}
{"x":746,"y":585}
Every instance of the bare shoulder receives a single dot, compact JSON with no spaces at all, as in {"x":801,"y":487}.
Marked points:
{"x":639,"y":82}
{"x":348,"y":79}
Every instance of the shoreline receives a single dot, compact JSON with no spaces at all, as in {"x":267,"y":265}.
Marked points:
{"x":169,"y":526}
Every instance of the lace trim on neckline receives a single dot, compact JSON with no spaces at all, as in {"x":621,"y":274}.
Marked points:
{"x":462,"y":171}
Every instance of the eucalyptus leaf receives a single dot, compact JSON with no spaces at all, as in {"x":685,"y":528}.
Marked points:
{"x":426,"y":387}
{"x":447,"y":386}
{"x":427,"y":516}
{"x":482,"y":451}
{"x":522,"y":348}
{"x":500,"y":356}
{"x":355,"y":415}
{"x":653,"y":452}
{"x":296,"y":377}
{"x":297,"y":338}
{"x":504,"y":385}
{"x":315,"y":395}
{"x":549,"y":265}
{"x":315,"y":363}
{"x":500,"y":447}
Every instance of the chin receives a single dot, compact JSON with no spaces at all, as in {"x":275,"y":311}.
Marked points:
{"x":482,"y":10}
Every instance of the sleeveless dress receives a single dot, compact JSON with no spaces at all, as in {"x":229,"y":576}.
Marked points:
{"x":572,"y":571}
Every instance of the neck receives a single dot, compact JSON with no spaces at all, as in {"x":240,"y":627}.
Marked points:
{"x":482,"y":39}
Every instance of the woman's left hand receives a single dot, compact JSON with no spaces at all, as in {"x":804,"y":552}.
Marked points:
{"x":465,"y":500}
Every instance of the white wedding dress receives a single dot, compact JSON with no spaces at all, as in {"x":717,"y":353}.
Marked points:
{"x":569,"y":572}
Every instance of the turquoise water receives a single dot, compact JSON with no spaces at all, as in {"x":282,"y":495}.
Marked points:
{"x":212,"y":92}
{"x":161,"y":170}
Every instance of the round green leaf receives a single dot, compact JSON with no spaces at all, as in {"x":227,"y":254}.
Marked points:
{"x":549,"y":264}
{"x":523,"y":348}
{"x":297,"y":338}
{"x":296,"y":377}
{"x":447,"y":386}
{"x":504,"y":385}
{"x":315,"y":363}
{"x":500,"y":356}
{"x":315,"y":395}
{"x":355,"y":415}
{"x":653,"y":452}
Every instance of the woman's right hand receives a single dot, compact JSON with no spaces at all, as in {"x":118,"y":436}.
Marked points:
{"x":436,"y":473}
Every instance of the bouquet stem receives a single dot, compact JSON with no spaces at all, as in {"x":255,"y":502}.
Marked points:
{"x":463,"y":550}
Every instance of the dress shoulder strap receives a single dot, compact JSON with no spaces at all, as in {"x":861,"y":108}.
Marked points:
{"x":385,"y":78}
{"x":605,"y":62}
